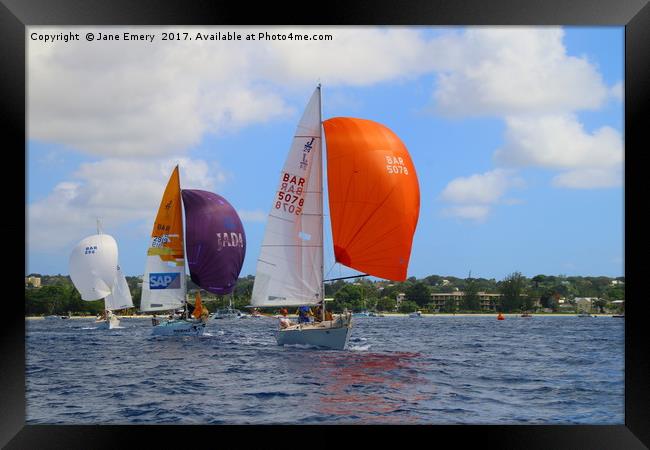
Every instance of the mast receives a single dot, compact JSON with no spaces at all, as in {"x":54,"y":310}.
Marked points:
{"x":322,"y":209}
{"x":99,"y":231}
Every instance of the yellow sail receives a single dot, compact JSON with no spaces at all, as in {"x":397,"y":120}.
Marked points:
{"x":198,"y":307}
{"x":167,"y":233}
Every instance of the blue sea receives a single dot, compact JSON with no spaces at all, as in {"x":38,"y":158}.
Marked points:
{"x":397,"y":370}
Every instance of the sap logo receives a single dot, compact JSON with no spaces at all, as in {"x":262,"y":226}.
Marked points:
{"x":164,"y":280}
{"x":90,"y":250}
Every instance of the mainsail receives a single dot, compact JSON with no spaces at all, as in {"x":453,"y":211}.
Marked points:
{"x":92,"y":266}
{"x":215,"y":241}
{"x":120,"y":298}
{"x":163,"y":285}
{"x":374,"y":197}
{"x":290,"y":265}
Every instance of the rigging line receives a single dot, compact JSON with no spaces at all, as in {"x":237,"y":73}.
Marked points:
{"x":328,"y":272}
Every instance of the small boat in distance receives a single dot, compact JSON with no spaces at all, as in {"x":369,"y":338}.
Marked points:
{"x":584,"y":314}
{"x":228,"y":312}
{"x":416,"y":314}
{"x":619,"y":316}
{"x":526,"y":315}
{"x":361,"y":314}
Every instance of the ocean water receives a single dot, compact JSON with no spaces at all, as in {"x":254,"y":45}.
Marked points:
{"x":397,"y":370}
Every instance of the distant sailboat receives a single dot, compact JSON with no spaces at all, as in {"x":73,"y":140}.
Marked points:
{"x":95,"y":273}
{"x":374,"y":204}
{"x":215,"y":243}
{"x":227,"y":313}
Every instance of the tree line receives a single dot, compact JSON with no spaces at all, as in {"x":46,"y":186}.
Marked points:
{"x":517,"y":293}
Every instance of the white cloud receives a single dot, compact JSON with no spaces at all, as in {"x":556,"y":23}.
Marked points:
{"x":116,"y":191}
{"x":123,"y":98}
{"x":617,"y":91}
{"x":474,"y":195}
{"x":558,"y":142}
{"x":476,"y":213}
{"x":589,"y":179}
{"x":483,"y":188}
{"x":511,"y":70}
{"x":526,"y":77}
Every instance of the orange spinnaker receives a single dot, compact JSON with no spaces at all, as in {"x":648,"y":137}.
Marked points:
{"x":374,"y":197}
{"x":198,"y":306}
{"x":167,"y":234}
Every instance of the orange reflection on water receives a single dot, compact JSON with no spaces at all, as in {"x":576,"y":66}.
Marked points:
{"x":369,"y":386}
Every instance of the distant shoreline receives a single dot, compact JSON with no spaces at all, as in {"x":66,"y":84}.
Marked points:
{"x":149,"y":316}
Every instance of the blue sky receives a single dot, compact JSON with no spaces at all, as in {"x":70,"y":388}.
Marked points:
{"x":516,"y":135}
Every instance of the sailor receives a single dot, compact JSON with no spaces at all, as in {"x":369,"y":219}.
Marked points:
{"x":284,"y":320}
{"x":318,"y":312}
{"x":303,"y":314}
{"x":154,"y":320}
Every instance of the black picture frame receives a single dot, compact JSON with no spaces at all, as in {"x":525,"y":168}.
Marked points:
{"x":15,"y":15}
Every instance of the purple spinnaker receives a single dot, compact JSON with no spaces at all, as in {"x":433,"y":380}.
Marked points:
{"x":215,"y":243}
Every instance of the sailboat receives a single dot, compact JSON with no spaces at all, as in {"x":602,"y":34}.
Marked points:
{"x":227,"y":313}
{"x":96,"y":274}
{"x":215,"y":244}
{"x":374,"y":204}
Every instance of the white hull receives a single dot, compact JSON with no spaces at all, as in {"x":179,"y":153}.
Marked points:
{"x":331,"y":335}
{"x":179,"y":328}
{"x":108,"y":324}
{"x":225,"y":316}
{"x":228,"y":313}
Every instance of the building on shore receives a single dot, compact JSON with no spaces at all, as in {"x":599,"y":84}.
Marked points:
{"x":34,"y":282}
{"x":488,"y":302}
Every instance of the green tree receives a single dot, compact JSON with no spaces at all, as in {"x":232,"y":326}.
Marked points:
{"x":408,"y":306}
{"x":600,"y":303}
{"x":511,"y":289}
{"x":450,"y":306}
{"x":420,"y":293}
{"x":386,"y":304}
{"x":471,"y":301}
{"x":349,"y":297}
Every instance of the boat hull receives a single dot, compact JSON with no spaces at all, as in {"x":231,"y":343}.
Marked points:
{"x":333,"y":338}
{"x":179,"y":328}
{"x":113,"y":322}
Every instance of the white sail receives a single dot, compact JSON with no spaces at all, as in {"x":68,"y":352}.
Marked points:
{"x":163,"y":285}
{"x":92,"y":266}
{"x":120,"y":298}
{"x":290,"y":265}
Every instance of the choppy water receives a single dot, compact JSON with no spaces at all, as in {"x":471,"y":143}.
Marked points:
{"x":433,"y":370}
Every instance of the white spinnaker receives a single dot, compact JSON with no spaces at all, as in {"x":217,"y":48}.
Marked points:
{"x":289,"y":268}
{"x":157,"y":297}
{"x":121,"y":296}
{"x":92,"y":266}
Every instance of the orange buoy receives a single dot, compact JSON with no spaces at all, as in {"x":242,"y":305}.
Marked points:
{"x":500,"y":317}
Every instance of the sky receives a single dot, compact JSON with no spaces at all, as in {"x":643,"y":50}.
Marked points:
{"x":516,"y":134}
